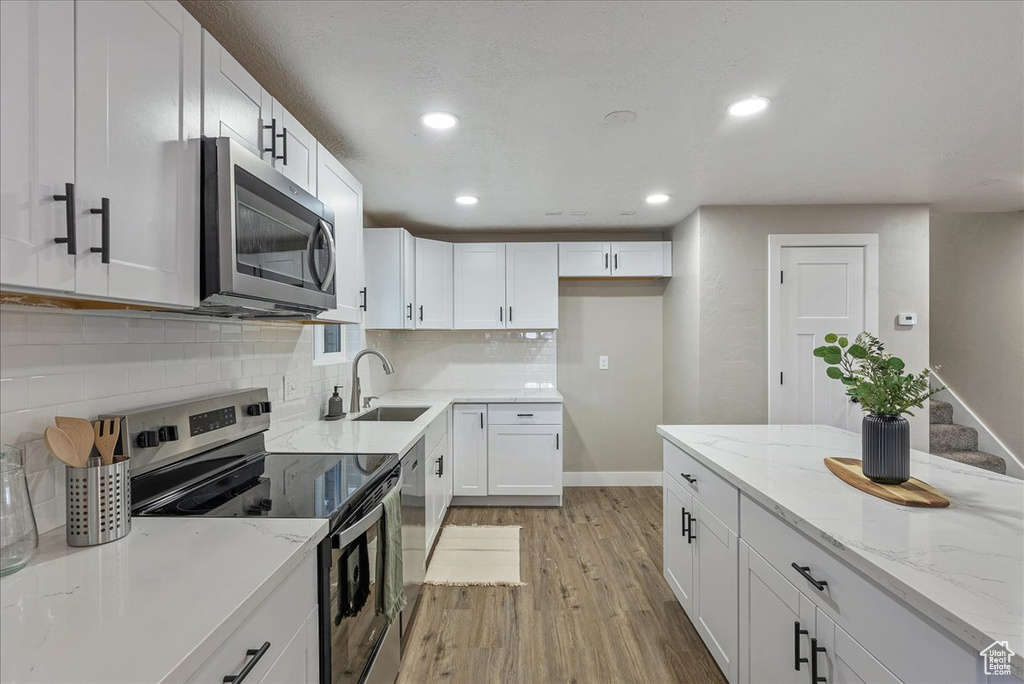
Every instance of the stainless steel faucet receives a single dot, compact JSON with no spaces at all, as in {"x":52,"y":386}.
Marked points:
{"x":388,"y":370}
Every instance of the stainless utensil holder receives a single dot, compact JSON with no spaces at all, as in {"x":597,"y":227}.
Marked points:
{"x":99,"y":503}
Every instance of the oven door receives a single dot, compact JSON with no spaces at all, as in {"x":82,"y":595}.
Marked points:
{"x":361,"y":648}
{"x":264,"y":238}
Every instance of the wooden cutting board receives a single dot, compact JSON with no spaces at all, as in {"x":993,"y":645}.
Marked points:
{"x":913,"y":492}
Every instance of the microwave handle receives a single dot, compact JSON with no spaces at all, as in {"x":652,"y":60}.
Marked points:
{"x":321,"y":228}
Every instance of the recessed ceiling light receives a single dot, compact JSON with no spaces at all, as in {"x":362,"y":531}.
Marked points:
{"x":657,"y":199}
{"x":439,"y":120}
{"x":466,"y":199}
{"x":748,"y":106}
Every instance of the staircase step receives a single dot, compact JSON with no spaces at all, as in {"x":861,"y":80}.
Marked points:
{"x":946,"y":437}
{"x":979,"y":459}
{"x":940,"y":412}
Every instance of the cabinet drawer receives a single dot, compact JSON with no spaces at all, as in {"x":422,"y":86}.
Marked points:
{"x":717,"y":495}
{"x":276,"y":620}
{"x":888,"y":629}
{"x":437,"y":430}
{"x":524,"y":414}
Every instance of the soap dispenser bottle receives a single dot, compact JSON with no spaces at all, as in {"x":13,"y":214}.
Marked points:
{"x":335,"y":405}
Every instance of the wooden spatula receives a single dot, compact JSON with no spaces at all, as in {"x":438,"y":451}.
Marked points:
{"x":80,"y":432}
{"x":106,"y":433}
{"x":61,"y":446}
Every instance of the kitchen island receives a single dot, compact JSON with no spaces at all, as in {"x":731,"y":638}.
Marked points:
{"x":905,"y":594}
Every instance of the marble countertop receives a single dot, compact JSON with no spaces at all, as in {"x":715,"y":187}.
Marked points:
{"x":370,"y":437}
{"x":147,"y":608}
{"x":961,"y":566}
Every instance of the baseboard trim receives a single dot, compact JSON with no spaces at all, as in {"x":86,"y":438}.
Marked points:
{"x":612,"y":479}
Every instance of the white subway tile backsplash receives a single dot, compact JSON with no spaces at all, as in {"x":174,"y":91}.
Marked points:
{"x":104,"y":329}
{"x":130,"y":355}
{"x":54,"y":328}
{"x":13,"y":327}
{"x":146,"y":379}
{"x":48,"y":390}
{"x":25,"y":360}
{"x":145,"y":330}
{"x":13,"y":394}
{"x":179,"y":331}
{"x":106,"y":383}
{"x":168,"y":353}
{"x":85,"y":357}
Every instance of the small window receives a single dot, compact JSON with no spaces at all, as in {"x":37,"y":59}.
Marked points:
{"x":336,"y":343}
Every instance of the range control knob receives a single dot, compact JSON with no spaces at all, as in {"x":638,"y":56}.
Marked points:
{"x":147,"y":438}
{"x":255,"y":409}
{"x":266,"y":406}
{"x":168,"y":433}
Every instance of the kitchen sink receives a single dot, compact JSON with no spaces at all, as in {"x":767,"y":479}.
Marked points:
{"x":394,"y":414}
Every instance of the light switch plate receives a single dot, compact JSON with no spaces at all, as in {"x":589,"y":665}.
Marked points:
{"x":291,"y":386}
{"x":602,"y":363}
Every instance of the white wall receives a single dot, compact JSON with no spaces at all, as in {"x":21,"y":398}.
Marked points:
{"x":83,"y":365}
{"x":977,"y":303}
{"x":610,"y":415}
{"x":732,"y":308}
{"x":681,"y":311}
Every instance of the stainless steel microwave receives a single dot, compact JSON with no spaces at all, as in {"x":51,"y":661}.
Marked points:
{"x":267,"y":246}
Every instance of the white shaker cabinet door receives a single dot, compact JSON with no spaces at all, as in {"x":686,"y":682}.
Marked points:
{"x":584,"y":259}
{"x":408,"y":293}
{"x":524,"y":460}
{"x":384,"y":262}
{"x":434,"y":278}
{"x":469,"y":449}
{"x":843,"y":660}
{"x":531,"y":285}
{"x":37,"y":136}
{"x":715,"y":611}
{"x":677,"y":510}
{"x":292,"y":148}
{"x":479,"y":286}
{"x":232,"y":98}
{"x":138,"y":119}
{"x":776,"y":624}
{"x":640,"y":259}
{"x":338,"y":189}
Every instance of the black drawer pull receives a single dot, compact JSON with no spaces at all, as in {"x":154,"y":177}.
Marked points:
{"x":104,"y":250}
{"x":805,"y":570}
{"x":683,"y":516}
{"x":409,"y":313}
{"x":796,"y":645}
{"x":69,"y":213}
{"x":691,"y":480}
{"x":421,"y":313}
{"x":524,"y":415}
{"x":253,"y":653}
{"x":690,"y":531}
{"x":815,"y":650}
{"x":363,"y":293}
{"x":481,"y":420}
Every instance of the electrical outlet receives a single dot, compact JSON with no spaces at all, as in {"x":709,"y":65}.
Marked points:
{"x":602,"y":363}
{"x":291,"y":386}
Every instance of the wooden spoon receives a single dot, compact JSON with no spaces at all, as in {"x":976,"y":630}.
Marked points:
{"x":61,"y":446}
{"x":107,"y":433}
{"x":80,"y":432}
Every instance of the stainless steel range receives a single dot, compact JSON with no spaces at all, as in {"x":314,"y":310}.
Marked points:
{"x":207,"y":457}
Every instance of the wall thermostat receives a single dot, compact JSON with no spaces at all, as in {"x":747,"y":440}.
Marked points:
{"x":907,"y":319}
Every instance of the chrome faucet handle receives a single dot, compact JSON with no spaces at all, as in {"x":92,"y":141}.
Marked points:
{"x":366,"y":401}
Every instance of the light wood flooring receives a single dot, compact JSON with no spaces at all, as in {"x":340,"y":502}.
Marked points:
{"x":596,"y":608}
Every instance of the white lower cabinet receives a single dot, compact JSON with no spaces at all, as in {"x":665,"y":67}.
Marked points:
{"x":679,"y":549}
{"x":524,"y":460}
{"x":469,"y":449}
{"x":715,"y":600}
{"x":437,"y":476}
{"x":843,"y":660}
{"x":280,"y":640}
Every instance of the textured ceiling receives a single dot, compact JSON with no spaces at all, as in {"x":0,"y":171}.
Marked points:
{"x":879,"y":102}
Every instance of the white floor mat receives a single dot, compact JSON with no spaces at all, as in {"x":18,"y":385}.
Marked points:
{"x":478,"y":555}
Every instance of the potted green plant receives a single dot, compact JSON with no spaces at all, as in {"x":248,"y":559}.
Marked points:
{"x":875,"y":379}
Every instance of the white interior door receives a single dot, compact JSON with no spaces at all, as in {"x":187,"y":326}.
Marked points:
{"x":479,"y":286}
{"x":821,"y":290}
{"x":37,"y":136}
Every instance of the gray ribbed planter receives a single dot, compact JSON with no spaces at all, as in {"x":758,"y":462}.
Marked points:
{"x":885,"y":442}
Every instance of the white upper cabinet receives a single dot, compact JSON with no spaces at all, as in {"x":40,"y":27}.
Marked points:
{"x":338,"y":189}
{"x":408,"y":290}
{"x":614,"y":259}
{"x":137,"y":127}
{"x":288,"y":146}
{"x":531,"y":285}
{"x":37,"y":136}
{"x":390,"y":275}
{"x":641,"y":259}
{"x":479,"y":286}
{"x":232,"y":98}
{"x":584,"y":259}
{"x":434,"y":306}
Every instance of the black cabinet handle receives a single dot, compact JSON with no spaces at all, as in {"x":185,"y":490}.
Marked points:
{"x":283,"y":135}
{"x":796,"y":645}
{"x":685,"y":523}
{"x":805,"y":570}
{"x":606,"y":261}
{"x":409,"y":313}
{"x":690,"y":532}
{"x":253,"y":653}
{"x":105,"y":230}
{"x":69,"y":217}
{"x":481,"y":420}
{"x":557,"y":446}
{"x":363,"y":293}
{"x":815,"y":650}
{"x":501,"y":314}
{"x":691,"y":480}
{"x":273,"y":139}
{"x":616,"y":262}
{"x":421,"y":313}
{"x":510,"y":314}
{"x":524,"y":415}
{"x":440,"y":465}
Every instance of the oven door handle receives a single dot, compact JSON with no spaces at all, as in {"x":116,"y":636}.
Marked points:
{"x":321,"y":229}
{"x":350,"y":534}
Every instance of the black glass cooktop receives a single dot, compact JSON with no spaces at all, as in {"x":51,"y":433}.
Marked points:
{"x":242,"y":480}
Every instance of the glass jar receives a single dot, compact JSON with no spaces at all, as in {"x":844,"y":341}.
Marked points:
{"x":18,"y":535}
